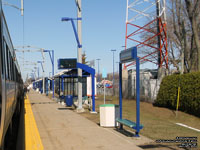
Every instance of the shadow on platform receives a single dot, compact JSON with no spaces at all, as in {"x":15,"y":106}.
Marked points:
{"x":21,"y":130}
{"x":66,"y":108}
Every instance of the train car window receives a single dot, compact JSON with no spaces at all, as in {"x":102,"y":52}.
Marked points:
{"x":5,"y":60}
{"x":2,"y":61}
{"x":12,"y":70}
{"x":8,"y":62}
{"x":15,"y":72}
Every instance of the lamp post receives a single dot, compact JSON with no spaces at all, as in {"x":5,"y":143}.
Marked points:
{"x":113,"y":50}
{"x":16,"y":7}
{"x":98,"y":69}
{"x":78,"y":37}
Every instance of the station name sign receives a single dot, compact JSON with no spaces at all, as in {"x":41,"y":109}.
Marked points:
{"x":67,"y":63}
{"x":128,"y":55}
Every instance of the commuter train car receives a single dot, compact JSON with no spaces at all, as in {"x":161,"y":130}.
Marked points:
{"x":11,"y":84}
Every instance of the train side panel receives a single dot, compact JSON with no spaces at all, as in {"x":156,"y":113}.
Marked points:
{"x":11,"y":84}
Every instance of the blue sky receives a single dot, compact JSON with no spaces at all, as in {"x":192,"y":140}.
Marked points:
{"x":103,"y":29}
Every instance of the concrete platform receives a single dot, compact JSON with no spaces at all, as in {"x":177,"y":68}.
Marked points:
{"x":62,"y":129}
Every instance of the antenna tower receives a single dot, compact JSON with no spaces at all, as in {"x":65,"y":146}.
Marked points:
{"x":146,"y":29}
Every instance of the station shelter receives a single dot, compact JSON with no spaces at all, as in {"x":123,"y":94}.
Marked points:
{"x":66,"y":83}
{"x":38,"y":85}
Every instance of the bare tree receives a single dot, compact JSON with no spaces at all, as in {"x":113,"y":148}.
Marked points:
{"x":182,"y":37}
{"x":193,"y":8}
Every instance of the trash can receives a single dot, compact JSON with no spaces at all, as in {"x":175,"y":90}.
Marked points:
{"x":108,"y":115}
{"x":69,"y":100}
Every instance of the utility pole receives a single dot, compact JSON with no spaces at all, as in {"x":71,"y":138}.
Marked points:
{"x":79,"y":54}
{"x":113,"y":50}
{"x":22,"y":7}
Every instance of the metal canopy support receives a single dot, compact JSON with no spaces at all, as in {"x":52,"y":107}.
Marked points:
{"x":46,"y":86}
{"x":74,"y":28}
{"x":62,"y":87}
{"x":92,"y":72}
{"x":124,"y":59}
{"x":52,"y":62}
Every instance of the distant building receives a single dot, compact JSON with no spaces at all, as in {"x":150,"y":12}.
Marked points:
{"x":149,"y":84}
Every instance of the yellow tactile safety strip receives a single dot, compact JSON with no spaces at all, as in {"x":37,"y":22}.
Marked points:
{"x":32,"y":136}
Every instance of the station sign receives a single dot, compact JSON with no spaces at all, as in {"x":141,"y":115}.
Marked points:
{"x":67,"y":63}
{"x":104,"y":73}
{"x":128,"y":55}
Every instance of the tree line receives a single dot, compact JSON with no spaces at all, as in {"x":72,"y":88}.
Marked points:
{"x":183,"y":28}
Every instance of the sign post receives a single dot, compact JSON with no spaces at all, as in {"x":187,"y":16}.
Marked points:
{"x":129,"y":55}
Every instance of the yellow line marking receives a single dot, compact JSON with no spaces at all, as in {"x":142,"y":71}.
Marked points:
{"x":32,"y":136}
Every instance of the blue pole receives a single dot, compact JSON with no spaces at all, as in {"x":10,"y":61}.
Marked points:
{"x":120,"y":93}
{"x":113,"y":73}
{"x":59,"y":85}
{"x":137,"y":96}
{"x":46,"y":81}
{"x":93,"y":93}
{"x":120,"y":90}
{"x":62,"y":86}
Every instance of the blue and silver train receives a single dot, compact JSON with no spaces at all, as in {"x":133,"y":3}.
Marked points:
{"x":11,"y":83}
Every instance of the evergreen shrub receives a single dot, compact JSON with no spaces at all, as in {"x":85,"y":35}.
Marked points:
{"x":189,"y":92}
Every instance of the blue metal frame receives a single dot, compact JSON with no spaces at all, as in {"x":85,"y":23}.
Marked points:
{"x":92,"y":72}
{"x":74,"y":28}
{"x":46,"y":86}
{"x":52,"y":62}
{"x":62,"y":86}
{"x":120,"y":90}
{"x":41,"y":65}
{"x":134,"y":57}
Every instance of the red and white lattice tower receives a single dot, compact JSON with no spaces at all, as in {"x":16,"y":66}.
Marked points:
{"x":146,"y":29}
